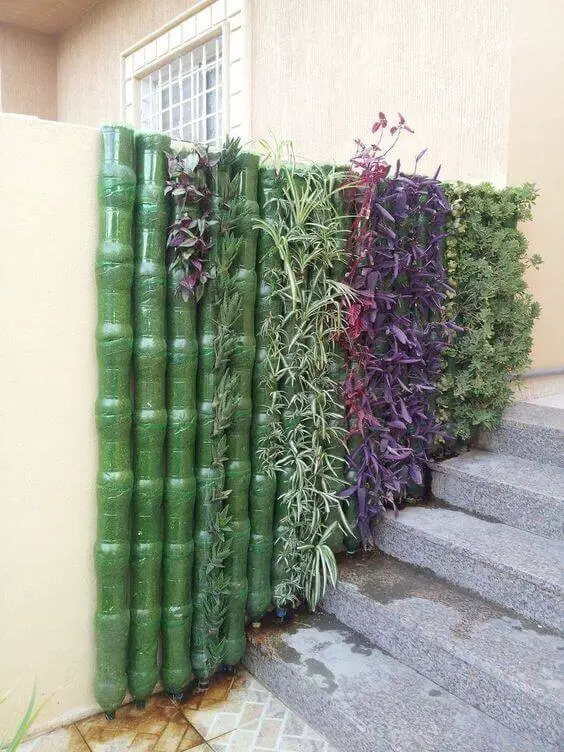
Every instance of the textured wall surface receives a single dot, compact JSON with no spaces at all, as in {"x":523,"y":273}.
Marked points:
{"x":89,"y":55}
{"x":536,"y":154}
{"x":49,"y":16}
{"x":322,"y":70}
{"x":28,"y":72}
{"x":47,"y":430}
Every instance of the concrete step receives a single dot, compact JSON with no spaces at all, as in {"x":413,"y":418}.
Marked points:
{"x":364,"y":700}
{"x":532,"y":431}
{"x":511,"y":567}
{"x":518,"y":492}
{"x":507,"y":667}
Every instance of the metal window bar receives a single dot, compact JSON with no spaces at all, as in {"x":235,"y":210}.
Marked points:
{"x":183,"y":98}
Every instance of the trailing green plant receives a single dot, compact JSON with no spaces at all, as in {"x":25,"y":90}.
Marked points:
{"x":341,"y":536}
{"x":218,"y":399}
{"x":486,"y":260}
{"x":149,"y":417}
{"x":238,"y":468}
{"x":114,"y":344}
{"x":306,"y":233}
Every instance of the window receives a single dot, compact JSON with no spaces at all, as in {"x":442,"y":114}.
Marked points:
{"x":190,"y":78}
{"x":184,"y":97}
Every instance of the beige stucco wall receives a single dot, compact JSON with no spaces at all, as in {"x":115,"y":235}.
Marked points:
{"x":47,"y":439}
{"x":89,"y":55}
{"x":28,"y":72}
{"x":322,"y":70}
{"x":536,"y":154}
{"x":467,"y":76}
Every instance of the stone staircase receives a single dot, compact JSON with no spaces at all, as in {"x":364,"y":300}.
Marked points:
{"x":450,"y":639}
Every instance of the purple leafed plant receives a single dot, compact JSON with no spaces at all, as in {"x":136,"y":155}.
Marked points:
{"x":396,"y":329}
{"x":189,"y":236}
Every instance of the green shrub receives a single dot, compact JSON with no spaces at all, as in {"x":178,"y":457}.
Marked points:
{"x":486,"y":259}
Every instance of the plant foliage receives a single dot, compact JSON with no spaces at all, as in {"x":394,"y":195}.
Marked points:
{"x":396,"y":328}
{"x":486,"y":259}
{"x":307,"y":235}
{"x":31,"y":713}
{"x":190,"y":235}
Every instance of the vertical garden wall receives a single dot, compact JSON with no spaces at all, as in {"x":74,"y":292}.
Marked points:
{"x":278,"y":357}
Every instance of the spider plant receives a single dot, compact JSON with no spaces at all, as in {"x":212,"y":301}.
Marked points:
{"x":307,"y":233}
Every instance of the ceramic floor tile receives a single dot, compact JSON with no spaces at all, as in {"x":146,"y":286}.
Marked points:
{"x":158,"y":727}
{"x":61,"y":740}
{"x":236,"y":714}
{"x":143,"y":743}
{"x":171,"y":737}
{"x":190,"y":741}
{"x":243,"y":740}
{"x":236,"y":741}
{"x":248,"y":718}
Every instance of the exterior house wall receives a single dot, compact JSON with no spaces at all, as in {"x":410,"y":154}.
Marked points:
{"x":321,"y":81}
{"x":28,"y":72}
{"x":48,"y":438}
{"x":322,"y":70}
{"x":536,"y":153}
{"x":90,"y":56}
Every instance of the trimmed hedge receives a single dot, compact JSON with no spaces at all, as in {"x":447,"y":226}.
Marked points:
{"x":486,"y":260}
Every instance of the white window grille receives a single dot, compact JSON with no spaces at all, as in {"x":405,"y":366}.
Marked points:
{"x":190,"y":78}
{"x":183,"y":98}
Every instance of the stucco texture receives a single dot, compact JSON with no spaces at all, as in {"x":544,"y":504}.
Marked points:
{"x":28,"y":72}
{"x":536,"y":155}
{"x":321,"y":71}
{"x":48,"y":216}
{"x":90,"y":56}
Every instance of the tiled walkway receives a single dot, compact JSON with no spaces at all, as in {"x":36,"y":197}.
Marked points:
{"x":237,"y":714}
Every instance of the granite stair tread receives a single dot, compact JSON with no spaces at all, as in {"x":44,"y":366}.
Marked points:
{"x":508,"y":667}
{"x":515,"y":568}
{"x":519,"y":492}
{"x":365,"y":700}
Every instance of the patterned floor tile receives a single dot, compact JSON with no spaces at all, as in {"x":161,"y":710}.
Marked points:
{"x":240,"y":715}
{"x":243,"y":740}
{"x":159,"y":727}
{"x":236,"y":714}
{"x":61,"y":740}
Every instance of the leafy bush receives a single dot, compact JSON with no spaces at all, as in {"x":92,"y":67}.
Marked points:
{"x":486,"y":260}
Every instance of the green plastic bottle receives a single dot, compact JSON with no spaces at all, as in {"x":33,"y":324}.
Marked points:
{"x":263,"y":488}
{"x":180,"y":483}
{"x":114,"y":342}
{"x":238,"y":470}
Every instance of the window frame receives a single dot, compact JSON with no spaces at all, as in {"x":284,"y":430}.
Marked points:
{"x":201,"y":23}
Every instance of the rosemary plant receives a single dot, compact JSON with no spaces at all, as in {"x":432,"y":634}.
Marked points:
{"x":305,"y":413}
{"x":218,"y":312}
